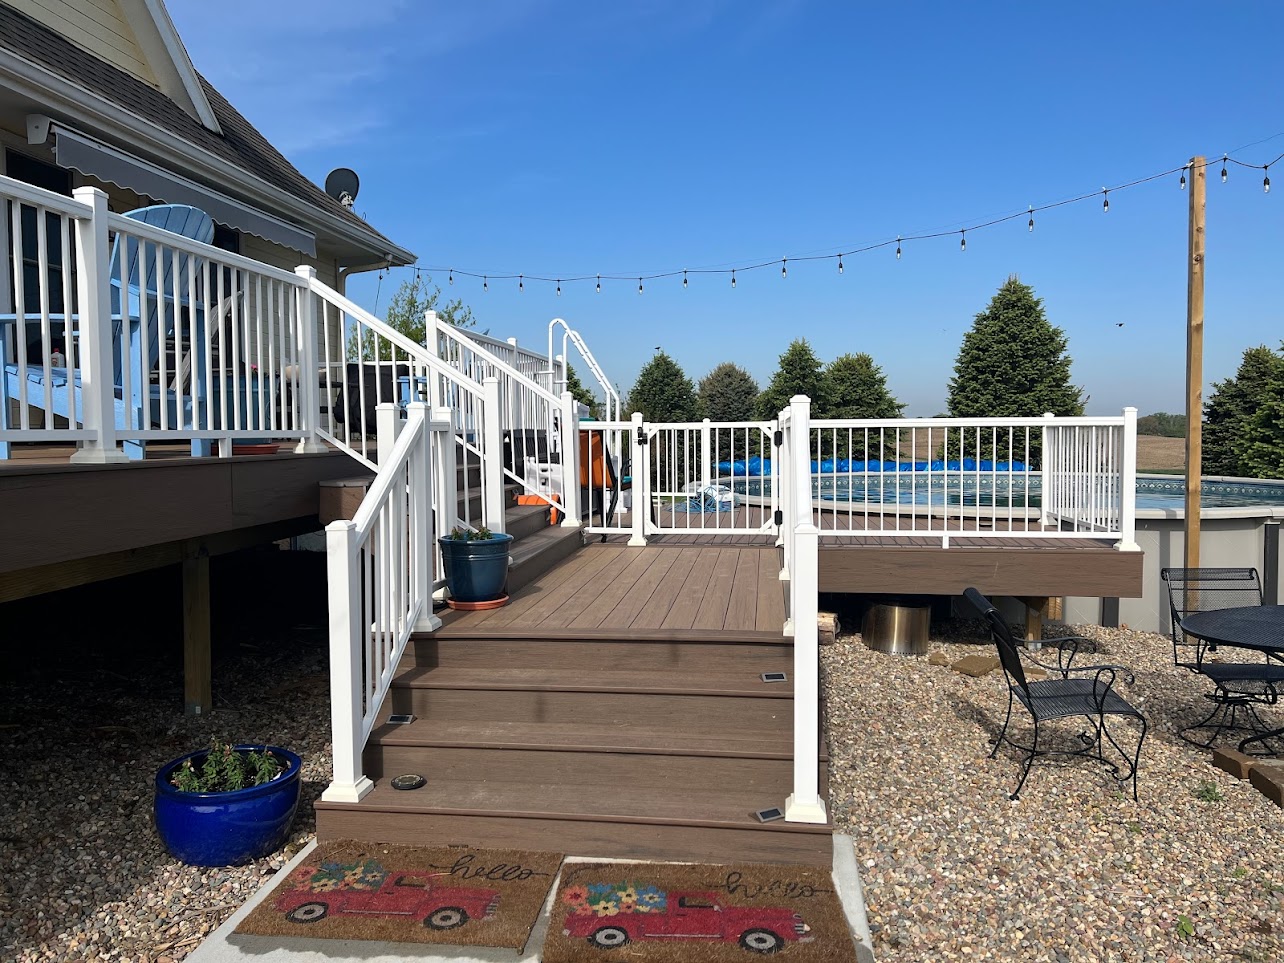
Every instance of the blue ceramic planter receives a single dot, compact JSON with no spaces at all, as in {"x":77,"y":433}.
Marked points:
{"x":227,"y":828}
{"x":476,"y":571}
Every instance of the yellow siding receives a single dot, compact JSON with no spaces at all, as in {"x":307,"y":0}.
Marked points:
{"x":97,"y":25}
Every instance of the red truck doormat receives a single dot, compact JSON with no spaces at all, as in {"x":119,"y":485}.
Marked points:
{"x":371,"y":891}
{"x":644,"y":912}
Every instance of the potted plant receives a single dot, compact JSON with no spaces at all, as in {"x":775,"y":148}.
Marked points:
{"x":476,"y":563}
{"x":227,"y":805}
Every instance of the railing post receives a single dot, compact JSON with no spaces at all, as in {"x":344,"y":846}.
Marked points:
{"x":388,"y":426}
{"x":423,"y":532}
{"x":782,"y":484}
{"x":804,"y":804}
{"x":492,"y":457}
{"x":309,"y":368}
{"x":93,"y":294}
{"x":1128,"y":484}
{"x":570,"y":423}
{"x":641,"y":482}
{"x":346,"y":644}
{"x":1046,"y":472}
{"x":447,"y":472}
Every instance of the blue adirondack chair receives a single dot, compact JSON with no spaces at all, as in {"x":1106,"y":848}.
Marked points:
{"x":142,"y":407}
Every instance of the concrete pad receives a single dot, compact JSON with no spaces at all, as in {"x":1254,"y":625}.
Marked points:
{"x":976,"y":665}
{"x":226,"y":946}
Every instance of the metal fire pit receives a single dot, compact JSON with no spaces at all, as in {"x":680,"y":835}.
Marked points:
{"x":898,"y":627}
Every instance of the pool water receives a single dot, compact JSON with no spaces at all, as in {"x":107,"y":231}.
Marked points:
{"x":908,"y":489}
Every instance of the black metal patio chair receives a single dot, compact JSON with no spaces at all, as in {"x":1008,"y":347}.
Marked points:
{"x":1092,"y":696}
{"x":1238,"y":687}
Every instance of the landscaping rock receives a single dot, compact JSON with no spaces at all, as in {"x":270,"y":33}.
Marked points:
{"x":938,"y":658}
{"x":827,"y":627}
{"x":976,"y":665}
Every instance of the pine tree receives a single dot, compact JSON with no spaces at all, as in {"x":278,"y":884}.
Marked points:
{"x":581,"y":393}
{"x":1232,"y":406}
{"x":799,"y":373}
{"x":663,"y":392}
{"x":728,"y":393}
{"x":1263,"y":445}
{"x":855,"y":387}
{"x":1013,"y":363}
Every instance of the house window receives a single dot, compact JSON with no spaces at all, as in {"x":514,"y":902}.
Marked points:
{"x":39,"y":174}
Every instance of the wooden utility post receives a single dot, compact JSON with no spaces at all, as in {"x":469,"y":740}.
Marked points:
{"x":1195,"y":358}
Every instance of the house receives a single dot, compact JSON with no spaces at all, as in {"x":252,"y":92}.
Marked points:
{"x":102,"y":94}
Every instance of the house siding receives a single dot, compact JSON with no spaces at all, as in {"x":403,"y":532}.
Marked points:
{"x":98,"y":26}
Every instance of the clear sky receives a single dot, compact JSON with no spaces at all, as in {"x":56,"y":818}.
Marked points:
{"x":560,"y":139}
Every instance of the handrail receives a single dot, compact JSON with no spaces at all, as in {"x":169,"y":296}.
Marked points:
{"x":608,"y":391}
{"x":28,"y":194}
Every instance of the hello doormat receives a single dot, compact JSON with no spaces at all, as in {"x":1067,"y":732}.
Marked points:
{"x":370,"y":891}
{"x":644,"y":912}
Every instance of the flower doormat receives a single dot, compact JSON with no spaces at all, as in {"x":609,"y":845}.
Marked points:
{"x":644,"y":912}
{"x":370,"y":891}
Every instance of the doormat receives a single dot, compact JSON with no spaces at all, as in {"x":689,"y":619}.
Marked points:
{"x":666,"y":913}
{"x":406,"y":894}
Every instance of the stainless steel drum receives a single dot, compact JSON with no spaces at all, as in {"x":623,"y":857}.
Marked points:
{"x":897,"y":628}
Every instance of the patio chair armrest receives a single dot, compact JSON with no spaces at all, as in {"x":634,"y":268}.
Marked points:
{"x":1112,"y":670}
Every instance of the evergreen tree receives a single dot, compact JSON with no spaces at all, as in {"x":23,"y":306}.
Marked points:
{"x":663,"y":392}
{"x":728,"y":393}
{"x":580,"y":393}
{"x":1233,"y":405}
{"x":1263,"y":445}
{"x":855,"y":387}
{"x":1012,"y":363}
{"x":799,"y":373}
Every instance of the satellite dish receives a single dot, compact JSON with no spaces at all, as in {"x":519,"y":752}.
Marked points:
{"x":342,"y":184}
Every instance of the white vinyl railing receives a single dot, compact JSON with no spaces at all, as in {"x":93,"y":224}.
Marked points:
{"x":536,"y":434}
{"x":381,"y":568}
{"x":981,"y":477}
{"x":557,"y":365}
{"x":529,"y":364}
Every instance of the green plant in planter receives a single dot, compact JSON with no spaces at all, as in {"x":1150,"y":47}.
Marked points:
{"x":226,"y":770}
{"x":460,"y":534}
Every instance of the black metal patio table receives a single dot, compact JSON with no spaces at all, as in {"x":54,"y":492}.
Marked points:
{"x":1259,"y":628}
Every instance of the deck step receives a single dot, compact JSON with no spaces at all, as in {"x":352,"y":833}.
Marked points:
{"x":706,"y":653}
{"x":540,"y":551}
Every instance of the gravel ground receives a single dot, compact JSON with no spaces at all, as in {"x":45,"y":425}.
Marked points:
{"x":1074,"y":871}
{"x":84,"y":725}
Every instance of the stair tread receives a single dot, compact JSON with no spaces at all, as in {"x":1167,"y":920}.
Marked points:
{"x":531,"y":546}
{"x":745,"y":683}
{"x":626,"y":737}
{"x":651,"y":805}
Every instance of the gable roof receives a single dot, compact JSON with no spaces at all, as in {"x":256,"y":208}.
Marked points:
{"x":239,"y":144}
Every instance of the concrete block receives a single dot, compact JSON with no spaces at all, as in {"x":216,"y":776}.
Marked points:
{"x":1268,"y":779}
{"x":1233,"y":762}
{"x":976,"y":665}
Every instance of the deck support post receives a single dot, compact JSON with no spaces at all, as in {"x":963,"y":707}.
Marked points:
{"x":1195,"y":357}
{"x":98,"y":395}
{"x":804,"y":804}
{"x":198,"y":695}
{"x":307,"y":386}
{"x":641,"y":482}
{"x":347,"y":638}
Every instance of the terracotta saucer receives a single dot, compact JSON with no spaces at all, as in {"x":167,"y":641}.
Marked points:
{"x":477,"y":606}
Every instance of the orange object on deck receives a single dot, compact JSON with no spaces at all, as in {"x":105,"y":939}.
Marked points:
{"x":554,"y":514}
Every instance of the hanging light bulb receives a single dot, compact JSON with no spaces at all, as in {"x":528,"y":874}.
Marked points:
{"x":559,"y":287}
{"x":1183,"y":179}
{"x":1224,"y":156}
{"x":898,"y":247}
{"x":784,"y":271}
{"x":1105,"y":201}
{"x":733,"y":277}
{"x":684,"y":279}
{"x":840,"y":264}
{"x":639,"y":285}
{"x":963,"y":240}
{"x":485,"y":283}
{"x":1031,"y":217}
{"x":450,"y":276}
{"x":599,"y":284}
{"x":520,"y":285}
{"x":1266,"y":180}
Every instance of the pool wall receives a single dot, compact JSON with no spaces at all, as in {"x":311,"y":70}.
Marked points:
{"x":1229,"y":537}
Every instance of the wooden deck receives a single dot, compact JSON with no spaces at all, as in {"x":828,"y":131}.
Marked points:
{"x":643,"y":591}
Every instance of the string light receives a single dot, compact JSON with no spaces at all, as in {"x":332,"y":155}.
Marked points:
{"x":898,"y":247}
{"x":1032,"y":218}
{"x":1183,"y":178}
{"x":451,"y":276}
{"x":963,"y":240}
{"x":1224,"y":156}
{"x":684,"y":279}
{"x":599,"y":284}
{"x":520,"y":285}
{"x":840,"y":264}
{"x":733,"y":277}
{"x":784,"y":271}
{"x":1266,"y":180}
{"x":639,"y":285}
{"x":559,"y":287}
{"x":1105,"y":201}
{"x":485,"y":283}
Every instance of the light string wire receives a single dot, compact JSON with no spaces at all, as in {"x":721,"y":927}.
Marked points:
{"x":782,"y":262}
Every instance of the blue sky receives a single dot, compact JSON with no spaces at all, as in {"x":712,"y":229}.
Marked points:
{"x":560,"y":139}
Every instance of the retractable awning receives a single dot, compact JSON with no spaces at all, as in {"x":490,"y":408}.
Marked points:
{"x":77,"y":151}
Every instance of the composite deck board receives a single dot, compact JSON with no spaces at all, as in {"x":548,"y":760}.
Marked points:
{"x":742,"y":608}
{"x":653,"y":611}
{"x":771,"y":600}
{"x":717,"y":594}
{"x":690,"y":597}
{"x":593,"y":615}
{"x":543,"y":597}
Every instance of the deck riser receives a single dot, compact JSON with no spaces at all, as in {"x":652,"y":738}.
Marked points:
{"x":730,"y":713}
{"x":575,"y":837}
{"x":605,"y":655}
{"x":589,"y":769}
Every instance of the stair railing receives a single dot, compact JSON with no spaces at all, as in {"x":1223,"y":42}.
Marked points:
{"x":381,"y":581}
{"x":536,"y":431}
{"x":610,"y":397}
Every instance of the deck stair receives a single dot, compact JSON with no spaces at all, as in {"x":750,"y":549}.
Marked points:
{"x":656,"y":744}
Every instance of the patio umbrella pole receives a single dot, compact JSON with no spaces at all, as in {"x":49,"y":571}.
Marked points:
{"x":1195,"y":358}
